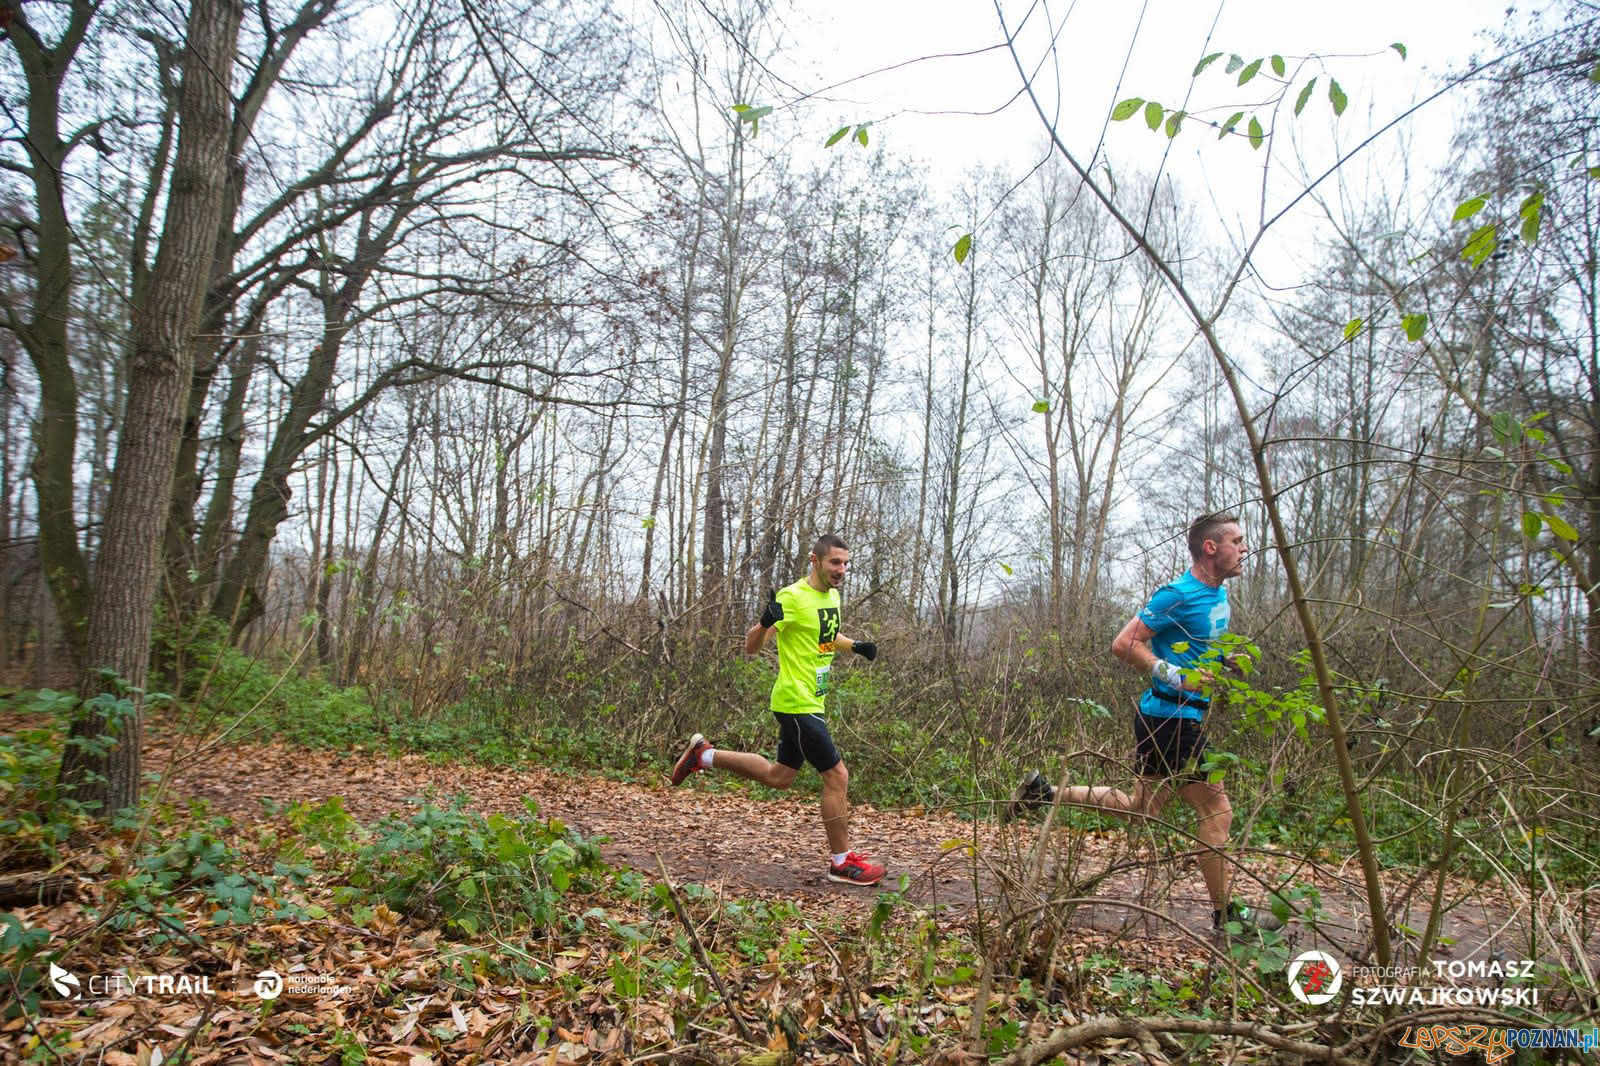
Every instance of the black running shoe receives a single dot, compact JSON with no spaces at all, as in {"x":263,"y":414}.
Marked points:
{"x":1033,"y":793}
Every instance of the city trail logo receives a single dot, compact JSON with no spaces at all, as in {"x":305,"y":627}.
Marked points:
{"x":65,"y":982}
{"x":1315,"y":977}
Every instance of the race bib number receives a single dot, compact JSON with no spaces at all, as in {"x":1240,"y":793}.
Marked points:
{"x":822,"y":680}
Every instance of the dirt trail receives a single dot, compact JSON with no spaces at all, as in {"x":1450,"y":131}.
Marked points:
{"x":750,"y":842}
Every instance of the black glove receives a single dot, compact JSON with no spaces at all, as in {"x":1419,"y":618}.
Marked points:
{"x":866,"y":649}
{"x":772,"y":614}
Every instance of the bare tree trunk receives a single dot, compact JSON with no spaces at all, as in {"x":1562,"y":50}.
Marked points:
{"x":1052,"y":415}
{"x":122,"y":612}
{"x":8,"y":543}
{"x":950,"y":587}
{"x":597,"y":478}
{"x":238,"y":593}
{"x":325,"y":572}
{"x":365,"y":594}
{"x":238,"y":599}
{"x":714,"y":546}
{"x":922,"y":549}
{"x":862,"y":432}
{"x":772,"y":538}
{"x":660,"y":493}
{"x":44,"y":332}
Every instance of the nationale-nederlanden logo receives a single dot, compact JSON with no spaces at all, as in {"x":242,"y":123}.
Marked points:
{"x":269,"y":984}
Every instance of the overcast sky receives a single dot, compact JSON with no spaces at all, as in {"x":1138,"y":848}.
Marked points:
{"x":939,"y":109}
{"x":1159,"y":43}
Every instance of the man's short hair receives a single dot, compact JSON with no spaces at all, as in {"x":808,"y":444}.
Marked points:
{"x":826,"y":543}
{"x":1205,"y":528}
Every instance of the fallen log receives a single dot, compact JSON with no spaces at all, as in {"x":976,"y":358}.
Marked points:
{"x":35,"y":886}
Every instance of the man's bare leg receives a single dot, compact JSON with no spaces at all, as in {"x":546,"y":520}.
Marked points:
{"x":835,"y":788}
{"x":1149,"y":797}
{"x":1213,"y":819}
{"x":836,"y":807}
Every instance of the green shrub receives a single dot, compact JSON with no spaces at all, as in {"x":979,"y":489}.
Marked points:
{"x":473,"y":872}
{"x":303,"y":709}
{"x":21,"y":968}
{"x":36,"y":818}
{"x":197,"y":859}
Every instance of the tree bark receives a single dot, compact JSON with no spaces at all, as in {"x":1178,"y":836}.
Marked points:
{"x":117,"y":645}
{"x":44,"y":332}
{"x":192,"y":565}
{"x":366,"y":593}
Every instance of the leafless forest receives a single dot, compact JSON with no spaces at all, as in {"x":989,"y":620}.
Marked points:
{"x":511,"y":351}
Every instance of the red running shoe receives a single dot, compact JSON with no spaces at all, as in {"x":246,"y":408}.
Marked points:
{"x":856,"y":869}
{"x":689,"y":762}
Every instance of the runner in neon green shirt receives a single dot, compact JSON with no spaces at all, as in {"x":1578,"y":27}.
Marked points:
{"x":807,"y":632}
{"x":806,"y":616}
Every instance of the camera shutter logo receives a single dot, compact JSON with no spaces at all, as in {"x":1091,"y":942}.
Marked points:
{"x":65,"y":982}
{"x":269,"y":984}
{"x":1315,"y":978}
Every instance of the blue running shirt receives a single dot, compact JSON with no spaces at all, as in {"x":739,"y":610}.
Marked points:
{"x":1187,"y":612}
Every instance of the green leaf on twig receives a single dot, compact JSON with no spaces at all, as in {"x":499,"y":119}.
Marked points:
{"x":1336,"y":97}
{"x":1126,"y":108}
{"x":752,"y":115}
{"x":1531,"y":210}
{"x":1305,"y":94}
{"x":1560,"y":527}
{"x":1480,"y":245}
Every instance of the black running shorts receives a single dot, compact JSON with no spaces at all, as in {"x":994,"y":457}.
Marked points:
{"x":1168,"y":747}
{"x":804,"y":738}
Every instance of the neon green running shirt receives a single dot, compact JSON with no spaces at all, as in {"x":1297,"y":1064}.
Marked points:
{"x":806,"y":631}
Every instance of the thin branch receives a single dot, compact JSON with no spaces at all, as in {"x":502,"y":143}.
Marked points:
{"x":700,"y":953}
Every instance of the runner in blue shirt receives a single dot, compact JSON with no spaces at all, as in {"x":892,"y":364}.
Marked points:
{"x":1168,"y":641}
